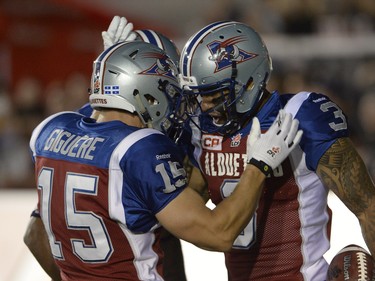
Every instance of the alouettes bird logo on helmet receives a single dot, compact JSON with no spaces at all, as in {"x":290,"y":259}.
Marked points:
{"x":223,"y":53}
{"x":164,"y":66}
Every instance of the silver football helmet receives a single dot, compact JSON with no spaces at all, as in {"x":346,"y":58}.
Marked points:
{"x":160,"y":40}
{"x":140,"y":78}
{"x":231,"y":58}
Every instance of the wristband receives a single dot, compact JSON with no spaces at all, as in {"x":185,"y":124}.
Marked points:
{"x":263,"y":167}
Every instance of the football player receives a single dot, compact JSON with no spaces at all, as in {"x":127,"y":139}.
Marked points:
{"x":118,"y":31}
{"x":225,"y":68}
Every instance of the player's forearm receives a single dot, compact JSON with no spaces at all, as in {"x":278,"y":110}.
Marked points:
{"x":366,"y":215}
{"x":198,"y":183}
{"x":342,"y":170}
{"x":365,"y":211}
{"x":368,"y":231}
{"x":36,"y":240}
{"x":215,"y":230}
{"x":234,"y":213}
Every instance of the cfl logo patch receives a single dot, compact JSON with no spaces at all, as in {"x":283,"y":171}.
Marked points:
{"x":236,"y":140}
{"x":111,"y":90}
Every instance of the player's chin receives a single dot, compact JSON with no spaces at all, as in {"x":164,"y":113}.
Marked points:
{"x":218,"y":119}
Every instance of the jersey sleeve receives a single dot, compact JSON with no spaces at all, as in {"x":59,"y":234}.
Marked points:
{"x":322,"y":122}
{"x":154,"y":176}
{"x":85,"y":110}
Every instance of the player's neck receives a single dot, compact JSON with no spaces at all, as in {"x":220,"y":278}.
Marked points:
{"x":106,"y":115}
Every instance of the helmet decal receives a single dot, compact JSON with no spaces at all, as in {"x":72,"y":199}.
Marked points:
{"x":161,"y":41}
{"x":164,"y":66}
{"x":195,"y":41}
{"x":223,"y":53}
{"x":111,"y":89}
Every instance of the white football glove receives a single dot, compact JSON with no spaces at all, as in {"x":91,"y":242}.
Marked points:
{"x":269,"y":150}
{"x":119,"y":30}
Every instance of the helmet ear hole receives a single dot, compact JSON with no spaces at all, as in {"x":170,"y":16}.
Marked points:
{"x":151,"y":100}
{"x":250,"y":84}
{"x":113,"y":72}
{"x":133,"y":54}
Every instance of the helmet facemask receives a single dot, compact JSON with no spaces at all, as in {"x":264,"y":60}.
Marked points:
{"x":173,"y":123}
{"x":231,"y":92}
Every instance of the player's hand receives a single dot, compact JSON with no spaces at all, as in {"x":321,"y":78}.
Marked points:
{"x":119,"y":30}
{"x":269,"y":150}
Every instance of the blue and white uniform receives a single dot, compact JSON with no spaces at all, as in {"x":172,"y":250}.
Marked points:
{"x":289,"y":233}
{"x":99,"y":188}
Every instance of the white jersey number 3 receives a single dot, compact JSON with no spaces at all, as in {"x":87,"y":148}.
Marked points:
{"x":338,"y":115}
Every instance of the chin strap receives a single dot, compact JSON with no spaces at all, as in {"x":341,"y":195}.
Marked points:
{"x":146,"y":118}
{"x":234,"y":70}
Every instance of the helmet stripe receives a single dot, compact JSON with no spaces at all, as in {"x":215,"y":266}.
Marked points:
{"x":194,"y":41}
{"x":150,"y":36}
{"x":109,"y":51}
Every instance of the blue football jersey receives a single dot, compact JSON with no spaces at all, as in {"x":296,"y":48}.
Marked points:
{"x":292,"y":219}
{"x":86,"y":110}
{"x":100,"y":186}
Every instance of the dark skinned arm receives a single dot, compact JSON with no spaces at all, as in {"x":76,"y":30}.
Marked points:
{"x":343,"y":171}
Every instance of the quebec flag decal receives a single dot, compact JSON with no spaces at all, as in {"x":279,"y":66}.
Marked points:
{"x":111,"y":90}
